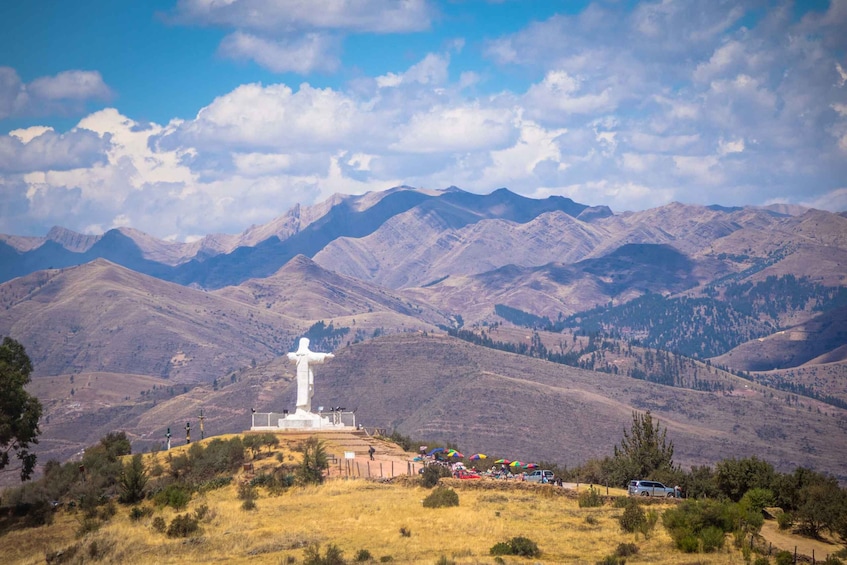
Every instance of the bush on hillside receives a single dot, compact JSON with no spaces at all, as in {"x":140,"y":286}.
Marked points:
{"x":441,"y":497}
{"x":432,"y":474}
{"x":590,"y":498}
{"x":520,"y":545}
{"x":633,"y":518}
{"x":703,"y":524}
{"x":333,"y":555}
{"x":183,"y":526}
{"x":174,"y":495}
{"x":314,"y":462}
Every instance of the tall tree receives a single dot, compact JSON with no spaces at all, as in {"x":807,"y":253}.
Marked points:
{"x":19,"y":410}
{"x":644,"y":450}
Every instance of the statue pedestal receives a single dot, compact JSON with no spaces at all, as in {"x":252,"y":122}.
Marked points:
{"x":302,"y":420}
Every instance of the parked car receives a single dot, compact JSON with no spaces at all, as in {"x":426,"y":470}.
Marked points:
{"x":540,"y":476}
{"x":650,"y":488}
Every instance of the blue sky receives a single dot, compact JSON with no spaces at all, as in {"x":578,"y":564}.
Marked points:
{"x":187,"y":117}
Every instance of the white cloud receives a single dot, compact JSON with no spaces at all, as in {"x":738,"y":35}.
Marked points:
{"x":299,"y":36}
{"x":561,"y":95}
{"x":301,"y":54}
{"x":431,"y":70}
{"x":39,"y":149}
{"x":70,"y":85}
{"x":67,"y":92}
{"x":456,"y":129}
{"x":629,"y":108}
{"x":727,"y":147}
{"x":380,"y":16}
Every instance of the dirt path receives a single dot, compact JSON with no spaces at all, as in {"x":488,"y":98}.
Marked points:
{"x":805,"y":546}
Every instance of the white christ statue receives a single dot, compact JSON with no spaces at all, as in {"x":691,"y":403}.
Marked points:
{"x":305,"y":377}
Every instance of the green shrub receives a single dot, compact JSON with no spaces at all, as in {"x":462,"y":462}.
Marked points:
{"x":363,"y":555}
{"x":785,"y":520}
{"x":713,"y":539}
{"x":590,"y":498}
{"x":159,"y":524}
{"x":626,"y":549}
{"x":139,"y":512}
{"x":444,"y":561}
{"x":757,"y":499}
{"x":314,"y":462}
{"x":784,"y":558}
{"x":386,"y":559}
{"x":174,"y":495}
{"x":333,"y":555}
{"x":212,"y":484}
{"x":762,"y":560}
{"x":432,"y":473}
{"x":182,"y":526}
{"x":620,"y":501}
{"x":520,"y":545}
{"x":591,"y":520}
{"x":87,"y":526}
{"x":633,"y":518}
{"x":248,"y":504}
{"x":441,"y":497}
{"x":501,"y":548}
{"x":201,"y":511}
{"x":247,"y":492}
{"x":707,"y":522}
{"x":612,"y":560}
{"x":688,"y":543}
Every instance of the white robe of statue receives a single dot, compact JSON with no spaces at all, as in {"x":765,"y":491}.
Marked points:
{"x":305,"y":377}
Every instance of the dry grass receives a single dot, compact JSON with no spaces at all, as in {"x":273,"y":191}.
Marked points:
{"x":355,"y":515}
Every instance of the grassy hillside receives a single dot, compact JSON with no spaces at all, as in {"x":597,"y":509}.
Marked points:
{"x":386,"y":520}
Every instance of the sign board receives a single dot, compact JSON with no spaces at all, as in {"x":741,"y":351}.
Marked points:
{"x":349,"y":455}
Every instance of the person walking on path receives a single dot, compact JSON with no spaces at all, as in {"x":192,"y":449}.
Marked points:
{"x":371,"y":451}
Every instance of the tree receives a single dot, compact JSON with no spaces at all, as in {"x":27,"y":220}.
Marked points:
{"x":643,"y":451}
{"x":315,"y":462}
{"x":133,"y":480}
{"x":19,"y":411}
{"x":735,"y":477}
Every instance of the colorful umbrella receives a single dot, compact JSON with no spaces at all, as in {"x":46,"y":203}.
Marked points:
{"x":515,"y":464}
{"x":530,"y":466}
{"x":478,"y":456}
{"x":503,"y":461}
{"x":454,"y":453}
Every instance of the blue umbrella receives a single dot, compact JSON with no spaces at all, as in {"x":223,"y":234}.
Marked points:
{"x":436,"y":450}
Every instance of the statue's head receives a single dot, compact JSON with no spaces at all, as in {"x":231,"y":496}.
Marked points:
{"x":303,"y":347}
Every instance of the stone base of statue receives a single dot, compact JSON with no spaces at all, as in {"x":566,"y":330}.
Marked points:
{"x":302,"y":420}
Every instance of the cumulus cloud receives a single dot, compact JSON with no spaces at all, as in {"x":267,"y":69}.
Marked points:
{"x":302,"y":54}
{"x":299,"y":36}
{"x":380,"y":16}
{"x":750,"y":114}
{"x":64,"y":93}
{"x":41,"y":149}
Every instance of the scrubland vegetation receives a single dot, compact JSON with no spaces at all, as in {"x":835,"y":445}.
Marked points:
{"x":201,"y":503}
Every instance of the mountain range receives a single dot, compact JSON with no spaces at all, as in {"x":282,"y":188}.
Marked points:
{"x":557,"y":313}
